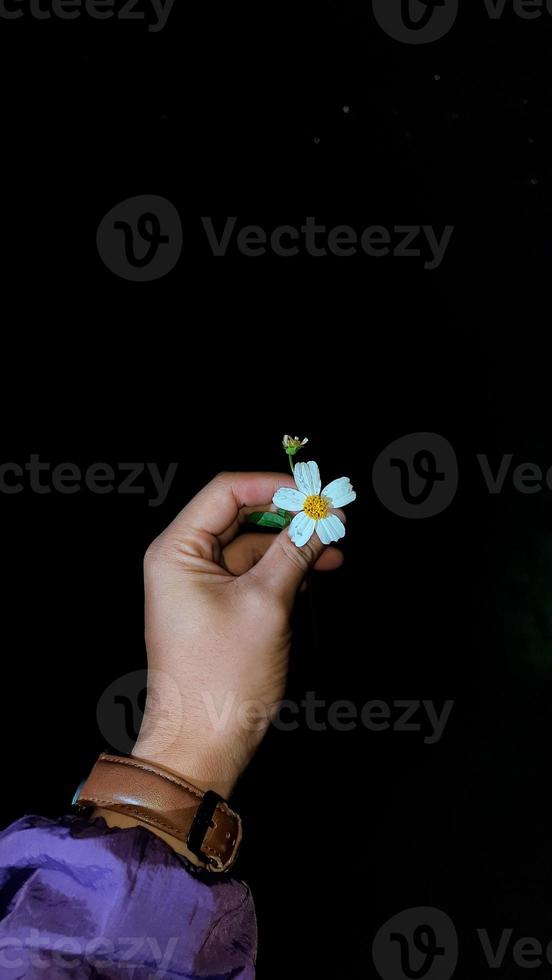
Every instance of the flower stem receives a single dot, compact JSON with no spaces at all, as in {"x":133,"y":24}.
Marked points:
{"x":291,"y":464}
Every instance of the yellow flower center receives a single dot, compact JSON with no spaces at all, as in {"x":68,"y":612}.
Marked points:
{"x":317,"y":507}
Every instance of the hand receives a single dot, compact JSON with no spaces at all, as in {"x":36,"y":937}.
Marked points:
{"x":217,"y":630}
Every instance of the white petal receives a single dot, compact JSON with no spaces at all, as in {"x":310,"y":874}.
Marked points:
{"x":340,"y":492}
{"x":330,"y":529}
{"x":301,"y":529}
{"x":289,"y":499}
{"x":307,"y":478}
{"x":323,"y":532}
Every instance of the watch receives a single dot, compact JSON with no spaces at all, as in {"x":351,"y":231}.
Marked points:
{"x":146,"y":791}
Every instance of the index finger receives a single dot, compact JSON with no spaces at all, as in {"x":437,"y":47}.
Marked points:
{"x":216,"y":508}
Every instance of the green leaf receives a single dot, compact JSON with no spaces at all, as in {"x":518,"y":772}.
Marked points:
{"x":267,"y":519}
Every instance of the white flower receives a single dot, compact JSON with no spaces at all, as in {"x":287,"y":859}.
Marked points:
{"x":292,"y":444}
{"x":314,"y":507}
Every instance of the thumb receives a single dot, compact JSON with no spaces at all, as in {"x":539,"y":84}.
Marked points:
{"x":285,"y":565}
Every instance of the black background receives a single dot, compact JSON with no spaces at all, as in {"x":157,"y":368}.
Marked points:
{"x":208,"y":367}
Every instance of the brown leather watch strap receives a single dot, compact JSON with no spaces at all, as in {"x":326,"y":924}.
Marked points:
{"x":156,"y":796}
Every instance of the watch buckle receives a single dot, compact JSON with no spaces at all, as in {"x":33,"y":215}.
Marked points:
{"x":202,"y":821}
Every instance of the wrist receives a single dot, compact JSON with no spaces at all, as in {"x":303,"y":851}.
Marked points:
{"x":205,"y":768}
{"x":140,"y":791}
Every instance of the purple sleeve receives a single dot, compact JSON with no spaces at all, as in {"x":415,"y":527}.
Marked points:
{"x":81,"y":900}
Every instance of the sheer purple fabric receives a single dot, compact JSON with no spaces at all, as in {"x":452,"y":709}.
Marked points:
{"x":81,"y":900}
